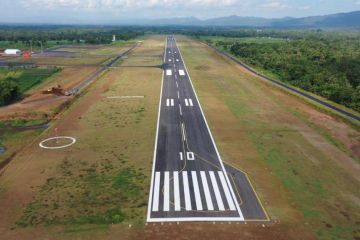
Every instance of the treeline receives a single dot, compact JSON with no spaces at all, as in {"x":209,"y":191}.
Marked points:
{"x":40,"y":35}
{"x":9,"y":91}
{"x":15,"y":82}
{"x":327,"y":67}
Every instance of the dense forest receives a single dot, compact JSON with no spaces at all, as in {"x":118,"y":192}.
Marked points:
{"x":329,"y":67}
{"x":40,"y":35}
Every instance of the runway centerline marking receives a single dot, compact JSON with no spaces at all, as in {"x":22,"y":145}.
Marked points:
{"x":180,"y":110}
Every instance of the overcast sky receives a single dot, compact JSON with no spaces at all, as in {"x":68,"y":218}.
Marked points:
{"x":104,"y":11}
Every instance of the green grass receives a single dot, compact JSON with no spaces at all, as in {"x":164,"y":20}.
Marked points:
{"x":101,"y":193}
{"x":28,"y":78}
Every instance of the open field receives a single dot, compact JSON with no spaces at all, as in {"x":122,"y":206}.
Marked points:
{"x":104,"y":178}
{"x":27,"y":78}
{"x":302,"y":162}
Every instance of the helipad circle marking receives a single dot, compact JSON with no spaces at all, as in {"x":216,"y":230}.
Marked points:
{"x":73,"y":141}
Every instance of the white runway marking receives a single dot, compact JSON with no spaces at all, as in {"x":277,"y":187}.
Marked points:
{"x":168,"y":72}
{"x":180,"y":110}
{"x":186,"y":191}
{"x":183,"y":131}
{"x":169,"y":59}
{"x":227,"y":192}
{"x":217,"y":192}
{"x":166,"y":192}
{"x":177,"y":60}
{"x":178,"y":94}
{"x":169,"y":102}
{"x":188,"y":102}
{"x":181,"y":72}
{"x":196,"y":191}
{"x":191,"y":102}
{"x":209,"y":204}
{"x":176,"y":191}
{"x":190,"y":156}
{"x":155,"y":206}
{"x":177,"y":85}
{"x":181,"y":156}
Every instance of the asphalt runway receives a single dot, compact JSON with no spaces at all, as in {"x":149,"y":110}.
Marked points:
{"x":189,"y":181}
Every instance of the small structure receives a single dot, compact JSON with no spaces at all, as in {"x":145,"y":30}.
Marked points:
{"x":114,"y":38}
{"x":12,"y":52}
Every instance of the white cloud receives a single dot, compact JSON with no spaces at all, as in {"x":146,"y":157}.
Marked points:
{"x":275,"y":5}
{"x":304,"y":8}
{"x":110,"y":4}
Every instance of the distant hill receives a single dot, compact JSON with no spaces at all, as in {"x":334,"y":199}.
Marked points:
{"x":339,"y":20}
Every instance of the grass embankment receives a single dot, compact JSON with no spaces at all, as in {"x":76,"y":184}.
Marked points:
{"x":104,"y":178}
{"x":293,"y":165}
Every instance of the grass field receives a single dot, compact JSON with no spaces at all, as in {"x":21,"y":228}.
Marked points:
{"x":104,"y":178}
{"x":266,"y":136}
{"x":28,"y":78}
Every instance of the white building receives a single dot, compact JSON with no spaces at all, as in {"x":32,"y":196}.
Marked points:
{"x":114,"y":38}
{"x":12,"y":52}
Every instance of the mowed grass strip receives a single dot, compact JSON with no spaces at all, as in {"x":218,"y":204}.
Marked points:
{"x":291,"y":164}
{"x":104,"y":178}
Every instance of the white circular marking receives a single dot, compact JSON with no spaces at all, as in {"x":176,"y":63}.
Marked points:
{"x":73,"y":141}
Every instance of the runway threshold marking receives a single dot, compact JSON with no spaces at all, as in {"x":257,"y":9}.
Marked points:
{"x":217,"y":192}
{"x":181,"y":72}
{"x":186,"y":191}
{"x":196,"y":191}
{"x":168,"y":72}
{"x":155,"y":206}
{"x":166,"y":192}
{"x":176,"y":191}
{"x":226,"y":191}
{"x":209,"y":204}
